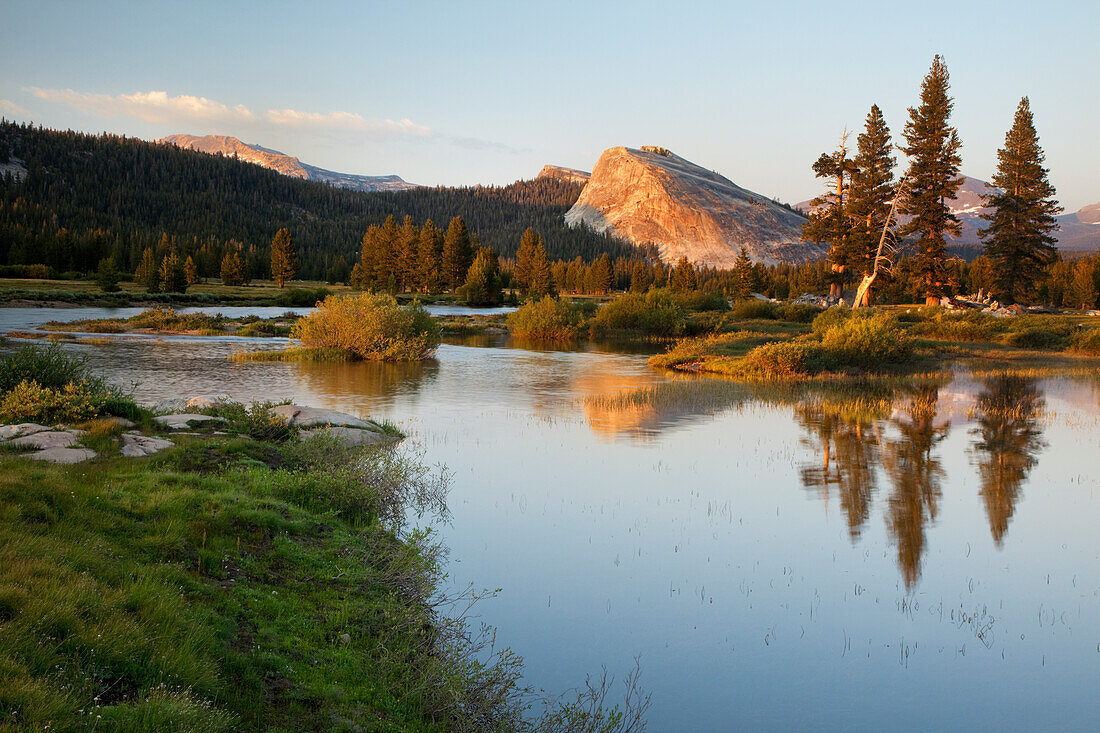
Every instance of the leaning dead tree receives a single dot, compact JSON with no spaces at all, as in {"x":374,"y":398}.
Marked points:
{"x":863,"y":293}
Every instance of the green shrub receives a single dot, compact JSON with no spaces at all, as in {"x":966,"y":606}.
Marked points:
{"x":866,"y":340}
{"x":165,"y":318}
{"x":964,"y":325}
{"x":548,"y":319}
{"x":49,"y":367}
{"x":753,"y":309}
{"x":655,"y":313}
{"x":28,"y":401}
{"x":302,"y":297}
{"x":1086,"y":341}
{"x":781,"y":359}
{"x":797,"y":312}
{"x":834,"y":316}
{"x":371,"y":327}
{"x":1036,"y":338}
{"x":1054,"y":324}
{"x":697,"y":301}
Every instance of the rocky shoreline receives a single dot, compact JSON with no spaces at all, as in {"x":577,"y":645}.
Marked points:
{"x":64,"y":444}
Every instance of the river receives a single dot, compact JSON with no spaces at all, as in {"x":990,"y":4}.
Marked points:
{"x":923,"y":559}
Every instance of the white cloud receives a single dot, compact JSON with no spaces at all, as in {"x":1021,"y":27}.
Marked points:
{"x":9,"y":107}
{"x":158,"y":107}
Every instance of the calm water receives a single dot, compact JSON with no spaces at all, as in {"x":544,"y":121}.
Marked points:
{"x":926,"y":559}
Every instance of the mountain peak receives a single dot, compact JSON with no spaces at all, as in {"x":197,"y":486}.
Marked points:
{"x":572,"y":175}
{"x":288,"y":165}
{"x":652,"y":195}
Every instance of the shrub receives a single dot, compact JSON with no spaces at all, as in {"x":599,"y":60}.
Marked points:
{"x":370,"y":327}
{"x":1036,"y":338}
{"x":697,"y":301}
{"x":655,"y":313}
{"x":781,"y":359}
{"x":302,"y":297}
{"x":834,"y":316}
{"x":866,"y":340}
{"x":167,"y":319}
{"x":797,"y":312}
{"x":50,"y":367}
{"x":747,"y":310}
{"x":1086,"y":341}
{"x":30,"y":402}
{"x":1054,"y":324}
{"x":548,"y":319}
{"x":966,"y":325}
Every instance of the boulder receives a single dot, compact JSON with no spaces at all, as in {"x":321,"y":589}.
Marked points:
{"x":185,"y":420}
{"x":352,"y":436}
{"x":64,"y":455}
{"x":180,"y":404}
{"x":306,"y":417}
{"x":120,"y":421}
{"x":136,"y":446}
{"x":7,"y":432}
{"x":48,"y":439}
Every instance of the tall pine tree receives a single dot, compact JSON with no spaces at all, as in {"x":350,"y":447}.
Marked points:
{"x":1018,"y":239}
{"x":457,"y":253}
{"x":284,"y":258}
{"x":933,"y":179}
{"x":829,"y":221}
{"x":871,"y":193}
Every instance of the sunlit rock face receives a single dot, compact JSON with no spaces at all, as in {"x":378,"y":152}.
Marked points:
{"x":571,"y":175}
{"x":654,"y":196}
{"x":288,"y":165}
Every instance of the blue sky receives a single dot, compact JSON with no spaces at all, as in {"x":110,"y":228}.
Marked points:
{"x":487,"y":92}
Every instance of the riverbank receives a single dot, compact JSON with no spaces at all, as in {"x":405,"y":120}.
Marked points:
{"x":73,"y":293}
{"x":841,"y":343}
{"x":256,"y":572}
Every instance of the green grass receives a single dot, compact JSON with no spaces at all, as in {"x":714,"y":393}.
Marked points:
{"x":211,"y":588}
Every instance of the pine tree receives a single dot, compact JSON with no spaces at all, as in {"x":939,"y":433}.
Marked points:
{"x":408,"y":245}
{"x":457,"y":253}
{"x":530,"y":244}
{"x":601,"y":276}
{"x":1018,"y":236}
{"x":684,"y":278}
{"x":742,"y":274}
{"x":172,"y":277}
{"x":871,"y":192}
{"x":639,"y":278}
{"x":190,"y":271}
{"x":933,"y":149}
{"x":483,"y":282}
{"x":233,"y":269}
{"x":387,"y":255}
{"x":829,"y":221}
{"x":430,"y":258}
{"x":107,"y":276}
{"x":1081,"y":292}
{"x":284,"y":258}
{"x":148,"y":272}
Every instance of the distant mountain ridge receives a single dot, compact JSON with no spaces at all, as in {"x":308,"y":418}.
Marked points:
{"x":560,"y":173}
{"x":651,"y":195}
{"x":288,"y":165}
{"x":1079,"y":231}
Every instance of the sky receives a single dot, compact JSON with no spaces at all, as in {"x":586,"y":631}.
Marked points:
{"x":464,"y":93}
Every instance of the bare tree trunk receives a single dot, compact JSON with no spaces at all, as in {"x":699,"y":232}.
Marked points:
{"x":863,"y":293}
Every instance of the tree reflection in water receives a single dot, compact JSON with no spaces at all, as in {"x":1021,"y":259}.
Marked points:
{"x":915,"y":473}
{"x":846,"y":434}
{"x":1009,"y":438}
{"x":855,"y":435}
